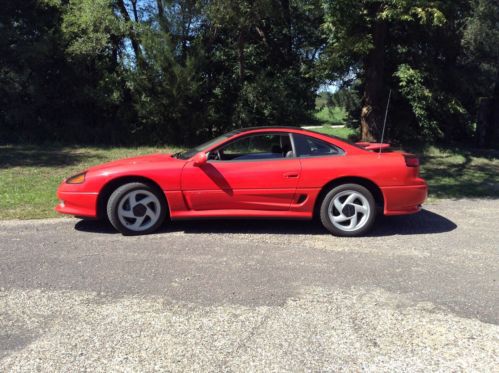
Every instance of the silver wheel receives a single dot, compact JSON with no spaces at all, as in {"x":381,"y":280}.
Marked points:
{"x":139,"y":210}
{"x":349,"y":210}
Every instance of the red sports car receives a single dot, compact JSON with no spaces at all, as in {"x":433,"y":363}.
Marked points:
{"x":264,"y":172}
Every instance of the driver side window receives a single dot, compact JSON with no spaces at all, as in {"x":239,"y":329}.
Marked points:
{"x":255,"y":147}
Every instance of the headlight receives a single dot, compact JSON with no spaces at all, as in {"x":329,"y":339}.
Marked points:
{"x":76,"y":179}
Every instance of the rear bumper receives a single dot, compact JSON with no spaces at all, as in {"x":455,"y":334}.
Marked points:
{"x":77,"y":203}
{"x":402,"y":200}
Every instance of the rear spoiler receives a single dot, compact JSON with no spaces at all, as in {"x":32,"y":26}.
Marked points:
{"x":373,"y":145}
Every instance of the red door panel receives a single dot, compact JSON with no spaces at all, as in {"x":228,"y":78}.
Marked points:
{"x":248,"y":185}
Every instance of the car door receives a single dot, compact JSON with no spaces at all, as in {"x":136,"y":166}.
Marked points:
{"x":321,"y":162}
{"x":253,"y":172}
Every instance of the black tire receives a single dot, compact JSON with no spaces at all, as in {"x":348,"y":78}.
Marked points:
{"x":367,"y":200}
{"x":124,"y":224}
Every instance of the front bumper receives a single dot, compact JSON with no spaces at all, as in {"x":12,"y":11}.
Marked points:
{"x":402,"y":200}
{"x":77,"y":203}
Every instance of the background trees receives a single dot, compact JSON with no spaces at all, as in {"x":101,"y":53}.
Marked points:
{"x":177,"y":71}
{"x":481,"y":46}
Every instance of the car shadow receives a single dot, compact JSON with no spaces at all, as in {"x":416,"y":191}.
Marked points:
{"x":425,"y":222}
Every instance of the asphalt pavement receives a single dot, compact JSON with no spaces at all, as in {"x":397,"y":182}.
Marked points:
{"x":419,"y":293}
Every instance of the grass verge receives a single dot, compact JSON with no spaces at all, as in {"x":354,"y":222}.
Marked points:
{"x":459,"y":173}
{"x":29,"y":175}
{"x":451,"y":172}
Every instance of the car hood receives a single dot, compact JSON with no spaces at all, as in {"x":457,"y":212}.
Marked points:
{"x":141,"y":160}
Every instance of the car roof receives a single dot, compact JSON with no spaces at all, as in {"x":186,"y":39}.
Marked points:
{"x":276,"y":128}
{"x":247,"y":129}
{"x":282,"y":129}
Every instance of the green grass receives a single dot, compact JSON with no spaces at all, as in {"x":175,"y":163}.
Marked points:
{"x":29,"y":175}
{"x":343,"y":132}
{"x":458,"y":173}
{"x":333,"y":116}
{"x":451,"y":172}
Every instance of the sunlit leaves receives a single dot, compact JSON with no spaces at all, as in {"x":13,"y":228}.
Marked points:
{"x":427,"y":12}
{"x":89,"y":26}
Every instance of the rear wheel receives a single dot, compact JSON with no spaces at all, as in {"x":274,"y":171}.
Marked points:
{"x":136,"y":208}
{"x":348,"y":210}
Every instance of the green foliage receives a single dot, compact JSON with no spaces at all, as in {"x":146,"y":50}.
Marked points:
{"x":167,"y":93}
{"x":420,"y":98}
{"x":142,"y":71}
{"x":435,"y":83}
{"x":338,"y":108}
{"x":481,"y":36}
{"x":152,"y":72}
{"x":89,"y":26}
{"x":422,"y":11}
{"x":335,"y":115}
{"x":481,"y":45}
{"x":347,"y":27}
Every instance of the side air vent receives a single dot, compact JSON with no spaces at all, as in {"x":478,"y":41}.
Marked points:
{"x":301,"y":198}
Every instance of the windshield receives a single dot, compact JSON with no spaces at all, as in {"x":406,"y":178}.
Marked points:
{"x":193,"y":151}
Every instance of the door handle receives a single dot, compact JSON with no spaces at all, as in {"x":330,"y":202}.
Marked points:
{"x":291,"y":175}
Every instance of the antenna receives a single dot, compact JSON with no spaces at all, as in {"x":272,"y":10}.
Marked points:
{"x":384,"y":122}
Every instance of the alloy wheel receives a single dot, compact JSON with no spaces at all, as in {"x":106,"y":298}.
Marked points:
{"x":349,"y":210}
{"x":139,"y":210}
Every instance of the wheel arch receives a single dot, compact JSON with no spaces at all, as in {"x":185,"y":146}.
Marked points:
{"x":366,"y":183}
{"x":111,"y":186}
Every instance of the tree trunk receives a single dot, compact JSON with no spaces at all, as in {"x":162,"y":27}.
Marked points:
{"x":134,"y":10}
{"x":262,"y":35}
{"x":495,"y":110}
{"x":240,"y":46}
{"x":187,"y":16}
{"x":487,"y":125}
{"x":483,"y":122}
{"x":288,"y":39}
{"x":133,"y":36}
{"x":371,"y":117}
{"x":496,"y":84}
{"x":161,"y":16}
{"x":493,"y":134}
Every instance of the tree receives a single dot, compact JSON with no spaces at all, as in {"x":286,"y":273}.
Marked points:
{"x":272,"y":45}
{"x":178,"y":71}
{"x":173,"y":71}
{"x":481,"y":43}
{"x":358,"y":38}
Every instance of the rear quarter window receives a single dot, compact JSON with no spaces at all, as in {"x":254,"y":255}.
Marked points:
{"x":307,"y":146}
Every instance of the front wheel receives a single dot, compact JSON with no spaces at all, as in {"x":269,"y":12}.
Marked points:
{"x":348,"y":210}
{"x":136,"y":208}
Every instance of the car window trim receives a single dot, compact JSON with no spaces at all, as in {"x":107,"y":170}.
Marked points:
{"x":293,"y":147}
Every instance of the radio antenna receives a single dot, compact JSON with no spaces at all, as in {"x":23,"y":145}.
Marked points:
{"x":384,"y":122}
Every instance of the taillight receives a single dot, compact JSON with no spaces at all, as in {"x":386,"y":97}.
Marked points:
{"x":411,"y":161}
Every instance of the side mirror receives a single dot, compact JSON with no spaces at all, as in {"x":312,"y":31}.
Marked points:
{"x":200,"y":159}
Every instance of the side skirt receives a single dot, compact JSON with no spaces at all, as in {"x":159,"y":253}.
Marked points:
{"x":238,"y":214}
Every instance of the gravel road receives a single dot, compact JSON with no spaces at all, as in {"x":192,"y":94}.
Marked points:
{"x":421,"y":293}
